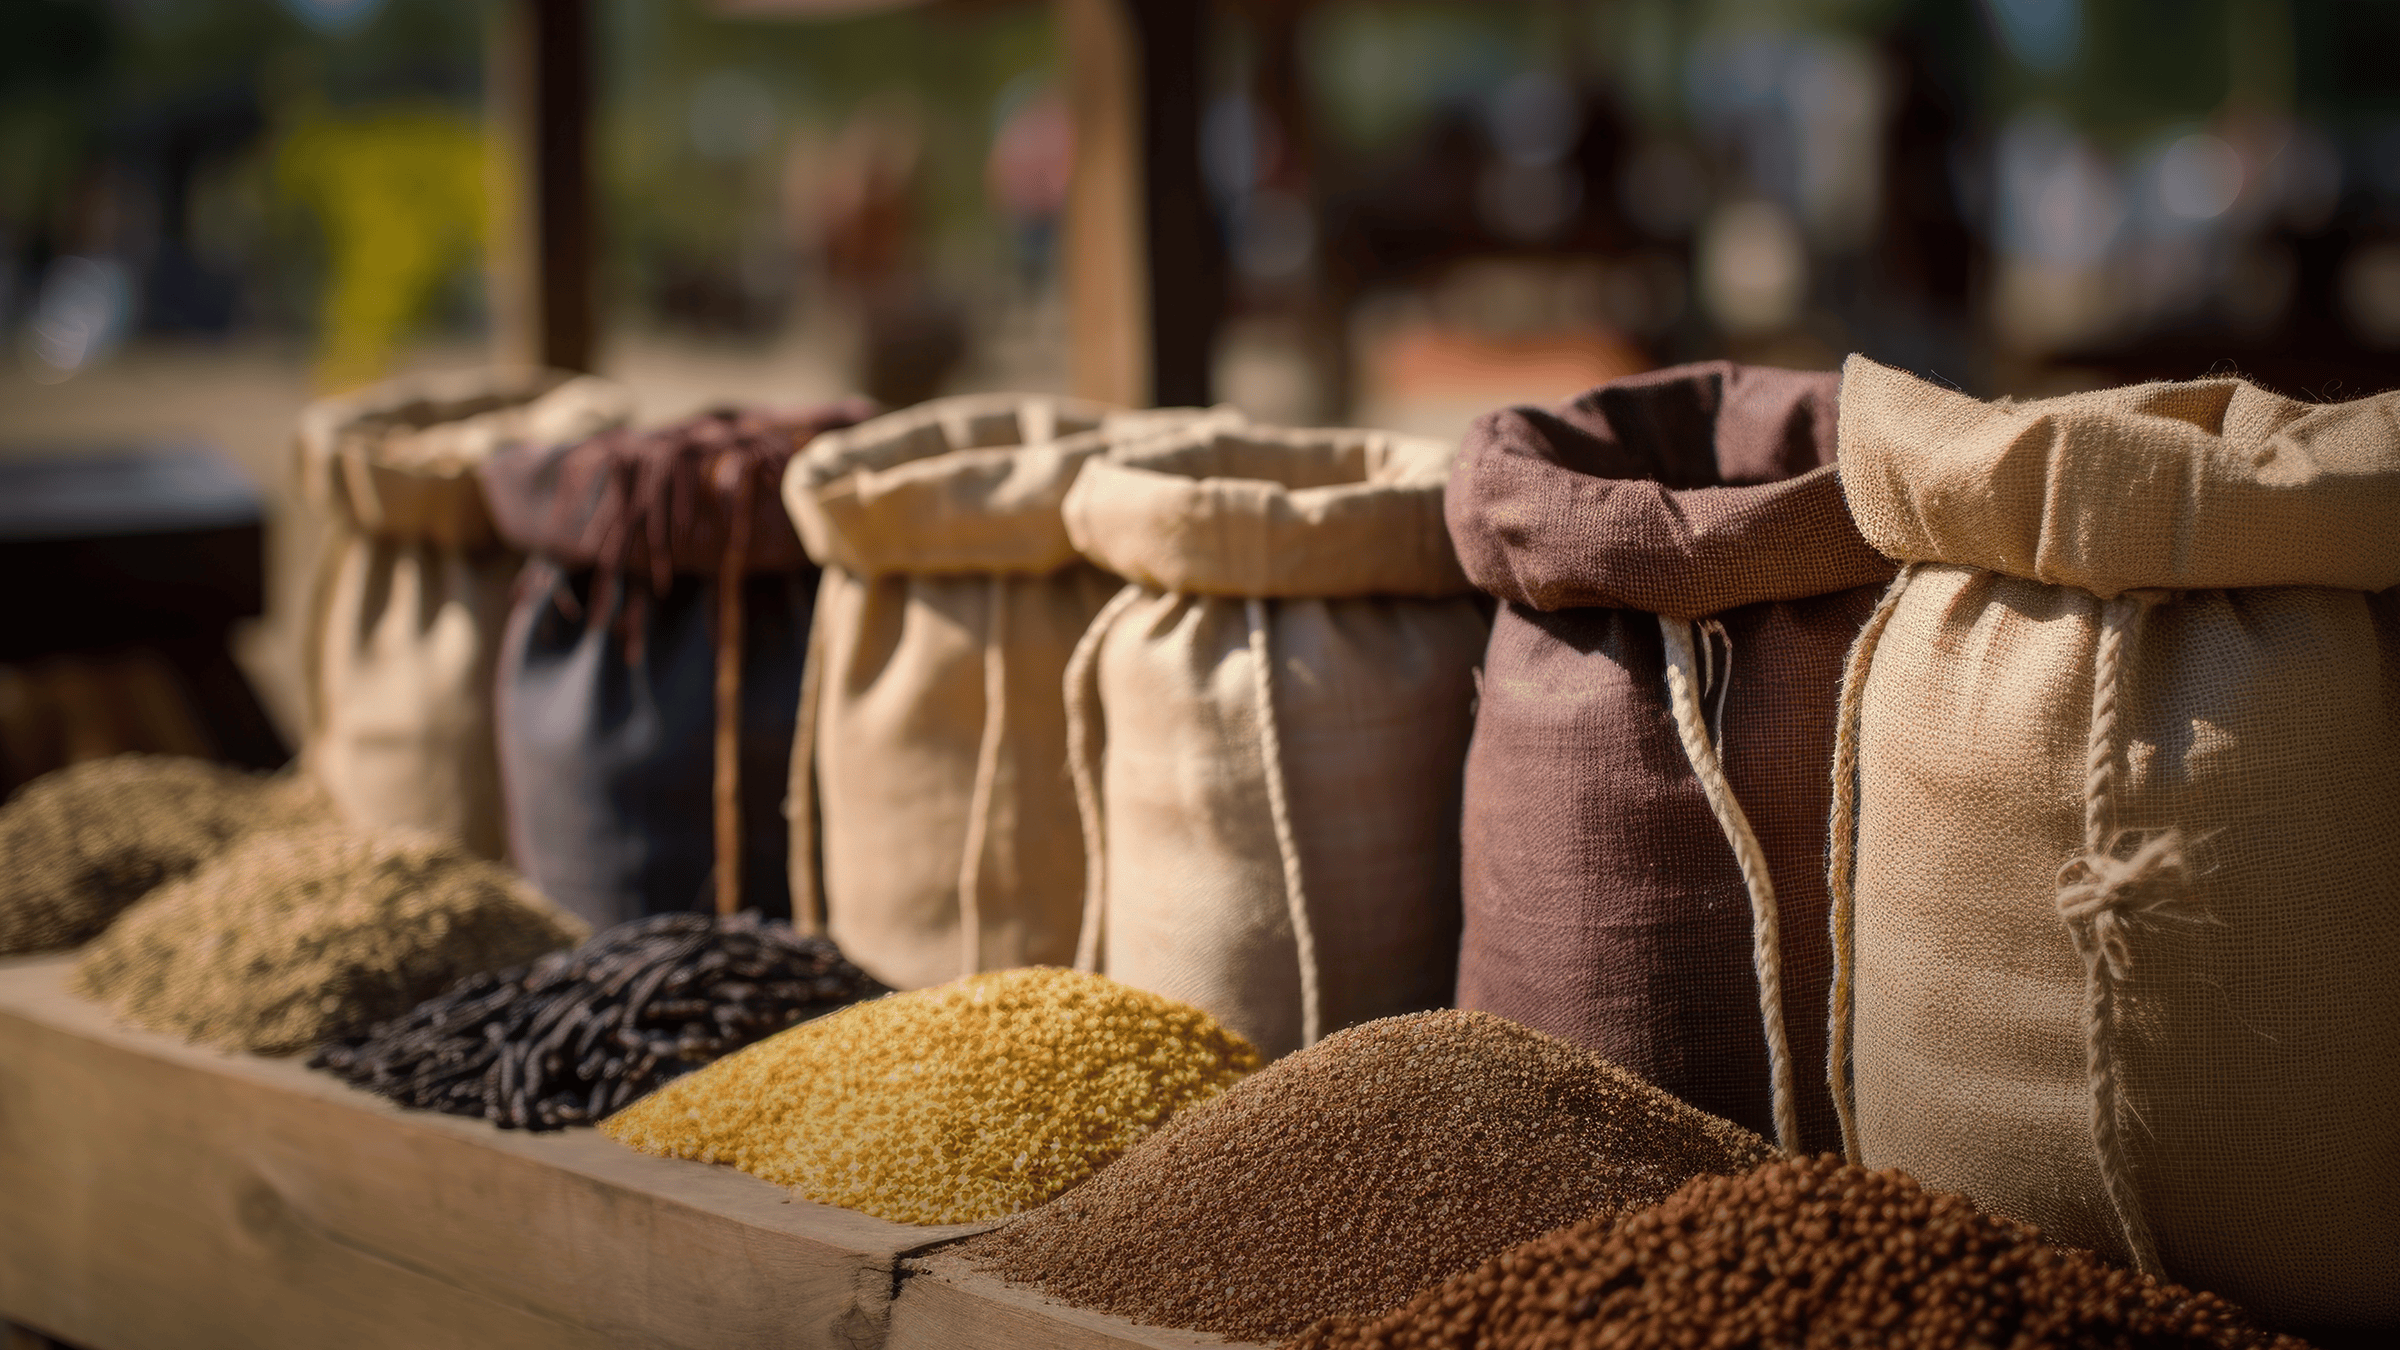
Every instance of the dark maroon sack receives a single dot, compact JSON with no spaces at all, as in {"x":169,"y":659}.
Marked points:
{"x":612,"y":664}
{"x":1604,"y":900}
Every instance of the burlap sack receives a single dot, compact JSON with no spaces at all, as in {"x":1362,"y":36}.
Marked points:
{"x":2125,"y":736}
{"x":413,"y":587}
{"x":649,"y":676}
{"x":1268,"y":722}
{"x":1644,"y":826}
{"x":933,"y":823}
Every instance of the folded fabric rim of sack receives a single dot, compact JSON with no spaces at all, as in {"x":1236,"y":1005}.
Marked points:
{"x":1268,"y":513}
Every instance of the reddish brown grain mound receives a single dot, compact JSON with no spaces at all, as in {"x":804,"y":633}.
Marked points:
{"x":1800,"y":1252}
{"x":1346,"y":1177}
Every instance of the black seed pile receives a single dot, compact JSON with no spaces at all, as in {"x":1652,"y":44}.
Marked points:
{"x":1799,"y":1252}
{"x":578,"y":1034}
{"x":80,"y":844}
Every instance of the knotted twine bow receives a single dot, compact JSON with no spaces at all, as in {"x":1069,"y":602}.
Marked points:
{"x":2099,"y":893}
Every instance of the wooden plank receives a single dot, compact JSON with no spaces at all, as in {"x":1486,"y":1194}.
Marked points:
{"x":154,"y":1194}
{"x":944,"y":1304}
{"x":1104,"y":258}
{"x":544,"y":253}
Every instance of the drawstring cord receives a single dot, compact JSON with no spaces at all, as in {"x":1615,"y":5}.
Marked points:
{"x":1766,"y":936}
{"x":1841,"y":864}
{"x":1295,"y":893}
{"x":1086,"y":737}
{"x":2098,"y":893}
{"x":987,"y":773}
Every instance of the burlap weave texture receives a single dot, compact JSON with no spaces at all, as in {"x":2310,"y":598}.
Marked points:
{"x":1603,"y":899}
{"x":2236,"y":543}
{"x":1273,"y":714}
{"x":931,"y":806}
{"x":413,"y":589}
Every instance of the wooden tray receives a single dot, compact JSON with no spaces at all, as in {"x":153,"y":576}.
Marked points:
{"x":160,"y":1196}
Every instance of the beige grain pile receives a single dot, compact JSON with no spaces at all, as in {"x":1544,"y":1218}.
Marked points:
{"x":961,"y":1102}
{"x":79,"y":845}
{"x":1348,"y":1176}
{"x":1800,"y":1252}
{"x":292,"y":938}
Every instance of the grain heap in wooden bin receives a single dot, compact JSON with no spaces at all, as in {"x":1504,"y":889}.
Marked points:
{"x":578,"y":1034}
{"x":967,"y":1101}
{"x":292,"y":938}
{"x":1351,"y":1174}
{"x":1802,"y":1251}
{"x":84,"y":842}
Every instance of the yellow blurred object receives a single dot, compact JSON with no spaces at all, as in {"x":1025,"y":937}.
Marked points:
{"x":403,"y":197}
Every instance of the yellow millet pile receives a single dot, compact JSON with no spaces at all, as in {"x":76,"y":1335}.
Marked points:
{"x":954,"y":1104}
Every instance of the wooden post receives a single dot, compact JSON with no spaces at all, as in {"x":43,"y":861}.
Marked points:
{"x":1144,"y":268}
{"x":543,"y":254}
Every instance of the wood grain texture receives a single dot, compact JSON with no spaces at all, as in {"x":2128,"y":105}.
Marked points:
{"x":154,"y":1194}
{"x":946,"y":1305}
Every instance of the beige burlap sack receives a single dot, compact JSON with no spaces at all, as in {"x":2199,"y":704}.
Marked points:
{"x":1269,"y":725}
{"x":933,"y":822}
{"x":413,"y":588}
{"x":2119,"y":784}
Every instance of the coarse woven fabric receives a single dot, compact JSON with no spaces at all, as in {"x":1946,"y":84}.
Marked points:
{"x":606,"y":681}
{"x":2259,"y":1103}
{"x":969,"y":1101}
{"x":413,"y":588}
{"x":934,"y":831}
{"x":1602,"y":900}
{"x":83,"y":842}
{"x":1255,"y":835}
{"x":1345,"y":1177}
{"x":294,"y":937}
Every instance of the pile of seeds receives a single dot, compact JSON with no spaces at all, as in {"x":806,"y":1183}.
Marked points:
{"x":578,"y":1034}
{"x":1350,"y":1175}
{"x":292,"y":938}
{"x":1802,"y":1251}
{"x":962,"y":1102}
{"x":84,"y":842}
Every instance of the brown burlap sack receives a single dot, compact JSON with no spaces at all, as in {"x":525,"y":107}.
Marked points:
{"x":933,"y":822}
{"x":1645,"y":801}
{"x":1267,"y":725}
{"x":413,"y":588}
{"x":2120,"y":792}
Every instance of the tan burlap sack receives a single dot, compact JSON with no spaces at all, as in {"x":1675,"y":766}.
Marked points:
{"x":2119,"y":783}
{"x":933,"y":822}
{"x":413,"y":589}
{"x":1269,"y":725}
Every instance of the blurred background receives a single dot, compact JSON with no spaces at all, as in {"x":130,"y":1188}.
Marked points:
{"x":1387,"y":212}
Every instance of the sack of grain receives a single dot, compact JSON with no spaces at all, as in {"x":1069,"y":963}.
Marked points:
{"x":650,"y":669}
{"x":412,"y":588}
{"x":2119,"y":789}
{"x":1646,"y":796}
{"x":1268,"y":723}
{"x":938,"y":819}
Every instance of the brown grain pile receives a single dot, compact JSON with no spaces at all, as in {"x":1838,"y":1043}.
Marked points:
{"x":1801,"y":1252}
{"x":79,"y":845}
{"x":292,"y":938}
{"x":1344,"y":1178}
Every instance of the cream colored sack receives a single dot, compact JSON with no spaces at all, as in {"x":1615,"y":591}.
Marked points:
{"x":933,"y":821}
{"x":2125,"y":821}
{"x":413,"y":588}
{"x":1270,"y":726}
